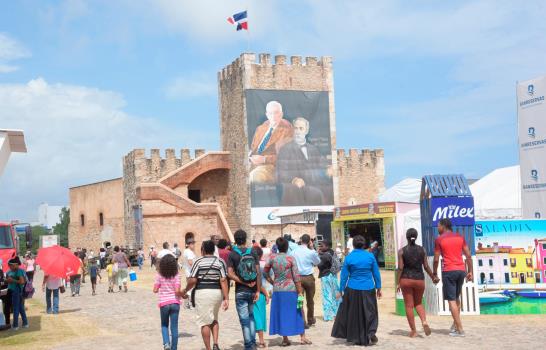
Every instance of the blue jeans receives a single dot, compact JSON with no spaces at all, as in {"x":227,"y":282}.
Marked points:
{"x":18,"y":305}
{"x":244,"y":303}
{"x":169,"y":313}
{"x":55,"y":293}
{"x":140,"y":262}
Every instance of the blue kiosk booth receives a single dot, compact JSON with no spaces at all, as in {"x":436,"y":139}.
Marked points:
{"x":447,"y":196}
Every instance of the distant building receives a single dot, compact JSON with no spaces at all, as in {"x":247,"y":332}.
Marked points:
{"x":493,"y":265}
{"x":540,"y":272}
{"x":521,"y":265}
{"x":49,"y":215}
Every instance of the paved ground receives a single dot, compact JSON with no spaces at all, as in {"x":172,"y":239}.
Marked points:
{"x":131,"y":320}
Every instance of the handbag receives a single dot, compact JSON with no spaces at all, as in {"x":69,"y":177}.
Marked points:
{"x":192,"y":296}
{"x":62,"y":289}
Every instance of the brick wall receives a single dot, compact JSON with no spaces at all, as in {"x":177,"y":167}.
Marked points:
{"x":90,"y":201}
{"x":361,"y":176}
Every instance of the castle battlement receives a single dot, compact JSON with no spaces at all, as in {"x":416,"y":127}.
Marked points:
{"x":263,"y":62}
{"x":364,"y":157}
{"x":153,"y":167}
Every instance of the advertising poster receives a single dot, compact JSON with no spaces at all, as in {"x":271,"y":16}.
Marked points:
{"x":49,"y":240}
{"x":511,"y":266}
{"x":532,"y":147}
{"x":290,"y":153}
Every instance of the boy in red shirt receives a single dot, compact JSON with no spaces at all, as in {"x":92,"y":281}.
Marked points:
{"x":452,"y":246}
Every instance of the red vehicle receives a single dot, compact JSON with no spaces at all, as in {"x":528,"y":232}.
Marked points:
{"x":8,"y":244}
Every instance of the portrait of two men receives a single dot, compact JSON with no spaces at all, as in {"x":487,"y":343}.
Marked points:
{"x":289,"y":148}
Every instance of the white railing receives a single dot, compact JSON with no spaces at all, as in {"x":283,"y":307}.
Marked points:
{"x":434,"y":297}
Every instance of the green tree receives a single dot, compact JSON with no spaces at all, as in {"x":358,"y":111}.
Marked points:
{"x":61,"y":229}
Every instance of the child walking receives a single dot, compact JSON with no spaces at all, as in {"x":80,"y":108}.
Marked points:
{"x":111,"y":279}
{"x":167,"y":285}
{"x":94,"y":271}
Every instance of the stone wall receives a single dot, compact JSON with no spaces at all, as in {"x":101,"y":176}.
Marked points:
{"x":90,"y":201}
{"x":173,"y":228}
{"x":138,"y":169}
{"x":309,"y":74}
{"x":361,"y":175}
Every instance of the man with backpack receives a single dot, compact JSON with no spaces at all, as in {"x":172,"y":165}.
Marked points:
{"x":244,"y":269}
{"x":329,"y":267}
{"x":307,"y":258}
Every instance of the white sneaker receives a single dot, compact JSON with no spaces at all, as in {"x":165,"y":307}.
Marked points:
{"x":166,"y":346}
{"x":25,"y":326}
{"x":457,"y":334}
{"x":14,"y":328}
{"x":453,"y":328}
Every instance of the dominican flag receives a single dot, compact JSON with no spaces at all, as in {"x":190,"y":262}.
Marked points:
{"x":240,"y":20}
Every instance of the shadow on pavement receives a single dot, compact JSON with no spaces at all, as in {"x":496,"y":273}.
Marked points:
{"x":35,"y":325}
{"x":67,"y":311}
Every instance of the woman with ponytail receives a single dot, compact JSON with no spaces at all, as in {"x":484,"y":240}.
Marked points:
{"x":411,"y":280}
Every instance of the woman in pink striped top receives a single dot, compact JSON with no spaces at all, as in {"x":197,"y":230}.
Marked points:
{"x":167,"y":285}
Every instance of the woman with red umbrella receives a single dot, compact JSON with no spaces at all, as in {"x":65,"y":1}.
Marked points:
{"x":62,"y":263}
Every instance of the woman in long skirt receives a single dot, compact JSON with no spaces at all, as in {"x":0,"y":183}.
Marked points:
{"x":357,"y":318}
{"x":328,"y":280}
{"x":286,"y":314}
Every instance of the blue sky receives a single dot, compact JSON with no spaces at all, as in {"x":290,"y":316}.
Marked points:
{"x":432,"y":83}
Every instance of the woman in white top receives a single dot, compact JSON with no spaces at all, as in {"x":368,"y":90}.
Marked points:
{"x":29,"y":261}
{"x":51,"y":286}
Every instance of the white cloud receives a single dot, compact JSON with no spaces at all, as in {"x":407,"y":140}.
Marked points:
{"x":10,"y":50}
{"x":193,"y":85}
{"x":75,"y":135}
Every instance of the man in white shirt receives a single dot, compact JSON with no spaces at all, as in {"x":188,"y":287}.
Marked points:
{"x":307,"y":258}
{"x":187,"y":263}
{"x":165,"y":251}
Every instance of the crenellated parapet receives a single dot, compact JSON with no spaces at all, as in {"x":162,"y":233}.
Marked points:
{"x":283,"y":72}
{"x":365,"y":158}
{"x":150,"y":168}
{"x":361,"y":175}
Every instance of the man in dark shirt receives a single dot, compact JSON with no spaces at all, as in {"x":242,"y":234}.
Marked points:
{"x":246,"y":292}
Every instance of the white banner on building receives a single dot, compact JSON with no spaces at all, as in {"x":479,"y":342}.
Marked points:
{"x":532,"y":146}
{"x":270,"y":215}
{"x":49,"y":241}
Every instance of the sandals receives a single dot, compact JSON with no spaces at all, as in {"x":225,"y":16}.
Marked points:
{"x":286,"y":343}
{"x":426,"y":327}
{"x":261,"y":345}
{"x":306,"y":342}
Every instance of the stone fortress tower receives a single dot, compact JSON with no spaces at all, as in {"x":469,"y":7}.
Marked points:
{"x":358,"y":176}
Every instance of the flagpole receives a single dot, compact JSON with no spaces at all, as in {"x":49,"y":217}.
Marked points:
{"x":247,"y":33}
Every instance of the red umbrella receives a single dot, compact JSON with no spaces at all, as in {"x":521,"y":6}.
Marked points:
{"x":58,"y":261}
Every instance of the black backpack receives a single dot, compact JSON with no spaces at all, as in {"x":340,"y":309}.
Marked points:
{"x":246,"y":270}
{"x":336,"y":264}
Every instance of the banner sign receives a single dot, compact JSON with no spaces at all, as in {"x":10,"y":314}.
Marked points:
{"x":49,"y":240}
{"x":365,"y":209}
{"x":532,"y":146}
{"x":289,"y":153}
{"x":460,"y":210}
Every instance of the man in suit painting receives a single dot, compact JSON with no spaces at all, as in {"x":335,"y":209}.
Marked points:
{"x":302,"y":171}
{"x":268,"y":138}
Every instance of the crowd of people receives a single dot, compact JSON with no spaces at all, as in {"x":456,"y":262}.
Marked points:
{"x":281,"y":275}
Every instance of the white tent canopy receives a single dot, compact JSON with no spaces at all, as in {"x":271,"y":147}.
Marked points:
{"x":407,"y":190}
{"x":497,"y":195}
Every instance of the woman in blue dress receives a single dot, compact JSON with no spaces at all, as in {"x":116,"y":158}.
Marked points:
{"x":357,"y":318}
{"x":286,"y":317}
